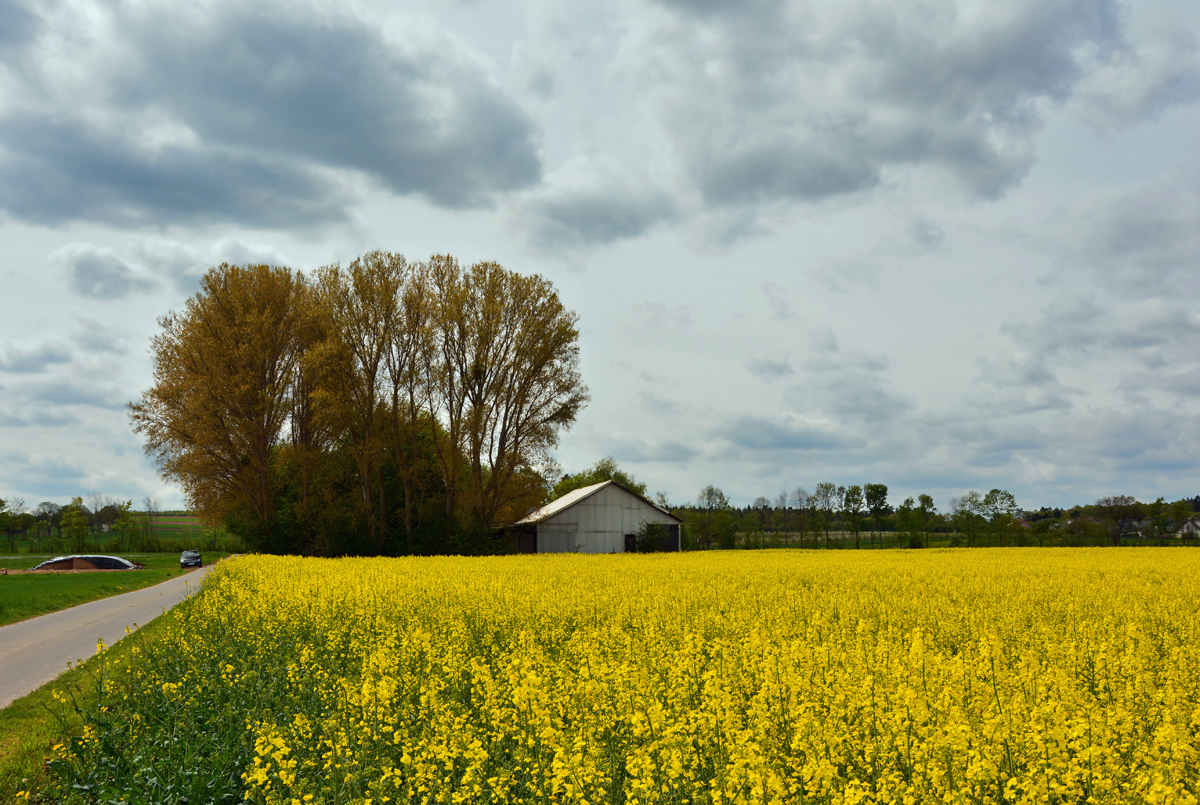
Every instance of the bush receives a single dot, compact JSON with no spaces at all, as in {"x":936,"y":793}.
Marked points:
{"x":651,"y":538}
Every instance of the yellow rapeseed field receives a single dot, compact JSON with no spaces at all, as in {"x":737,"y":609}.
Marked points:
{"x":1001,"y":675}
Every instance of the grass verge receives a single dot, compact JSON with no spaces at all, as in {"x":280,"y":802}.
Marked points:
{"x":27,"y":596}
{"x":33,"y":724}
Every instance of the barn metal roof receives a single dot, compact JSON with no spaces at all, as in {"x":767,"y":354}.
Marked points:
{"x":571,"y":498}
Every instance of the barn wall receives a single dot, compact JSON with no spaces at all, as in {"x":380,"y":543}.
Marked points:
{"x":598,"y":523}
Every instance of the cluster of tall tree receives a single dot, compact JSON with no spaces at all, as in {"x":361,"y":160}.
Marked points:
{"x":383,"y":407}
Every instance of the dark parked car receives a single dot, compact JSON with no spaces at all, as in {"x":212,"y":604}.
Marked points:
{"x":190,"y":559}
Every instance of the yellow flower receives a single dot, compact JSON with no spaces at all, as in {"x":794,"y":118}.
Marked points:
{"x":770,"y":676}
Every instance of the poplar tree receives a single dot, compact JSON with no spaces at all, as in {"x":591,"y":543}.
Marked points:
{"x":852,"y":509}
{"x":877,"y":505}
{"x":825,"y":501}
{"x":224,"y":369}
{"x":362,"y":305}
{"x":927,"y":510}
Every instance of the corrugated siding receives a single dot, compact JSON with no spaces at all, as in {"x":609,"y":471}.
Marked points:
{"x":598,"y":524}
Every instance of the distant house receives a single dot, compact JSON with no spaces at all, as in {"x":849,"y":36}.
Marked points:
{"x":1190,"y":529}
{"x":602,"y":518}
{"x":1139,"y":528}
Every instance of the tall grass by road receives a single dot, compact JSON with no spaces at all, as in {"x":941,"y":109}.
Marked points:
{"x":31,"y":726}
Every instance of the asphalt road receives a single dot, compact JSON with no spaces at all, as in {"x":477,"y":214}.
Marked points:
{"x":35,"y":651}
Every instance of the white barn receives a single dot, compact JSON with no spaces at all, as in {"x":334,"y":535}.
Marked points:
{"x":602,"y":518}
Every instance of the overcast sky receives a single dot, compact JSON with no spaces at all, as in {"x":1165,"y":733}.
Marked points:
{"x":939,"y":245}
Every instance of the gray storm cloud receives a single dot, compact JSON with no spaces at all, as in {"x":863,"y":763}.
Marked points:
{"x":260,"y":116}
{"x":771,"y":101}
{"x":33,"y":358}
{"x":760,"y":433}
{"x":100,"y":273}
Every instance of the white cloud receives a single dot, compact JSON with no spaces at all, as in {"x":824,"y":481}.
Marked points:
{"x":1141,"y":81}
{"x":656,"y":314}
{"x":770,"y":368}
{"x":1019,"y":384}
{"x":585,"y":204}
{"x":1141,"y":241}
{"x":787,"y":432}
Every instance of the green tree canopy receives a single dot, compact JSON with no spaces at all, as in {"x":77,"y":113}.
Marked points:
{"x":5,"y":518}
{"x":825,"y":502}
{"x":908,"y":519}
{"x":927,"y":511}
{"x":75,"y":524}
{"x":1180,"y":512}
{"x":852,"y":509}
{"x":605,"y":469}
{"x":970,"y":515}
{"x":877,"y":505}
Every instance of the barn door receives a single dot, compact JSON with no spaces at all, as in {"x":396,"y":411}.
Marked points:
{"x":630,"y":543}
{"x":671,"y":543}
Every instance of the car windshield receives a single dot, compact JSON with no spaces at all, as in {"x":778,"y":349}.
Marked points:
{"x":190,"y":554}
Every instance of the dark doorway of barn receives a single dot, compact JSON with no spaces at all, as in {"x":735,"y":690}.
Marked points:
{"x":527,"y":540}
{"x":671,"y":543}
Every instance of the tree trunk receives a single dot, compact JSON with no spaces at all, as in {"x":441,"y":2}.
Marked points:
{"x":382,"y":506}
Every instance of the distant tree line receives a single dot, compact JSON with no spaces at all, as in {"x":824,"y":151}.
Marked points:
{"x":860,"y":516}
{"x":383,"y":407}
{"x":77,"y":526}
{"x":831,"y":517}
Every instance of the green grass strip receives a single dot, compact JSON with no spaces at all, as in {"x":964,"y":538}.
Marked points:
{"x":27,"y":596}
{"x":33,"y":724}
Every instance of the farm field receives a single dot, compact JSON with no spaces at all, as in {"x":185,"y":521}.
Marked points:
{"x":27,"y":596}
{"x":1005,"y":675}
{"x":170,"y":533}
